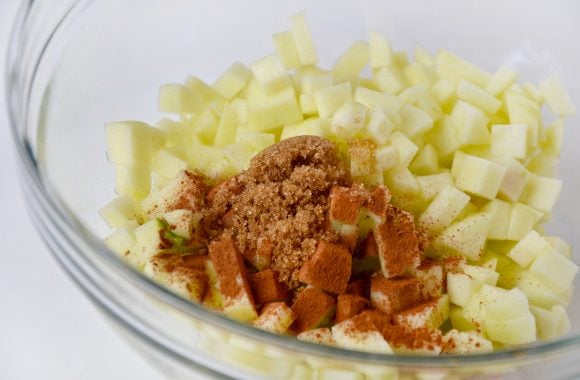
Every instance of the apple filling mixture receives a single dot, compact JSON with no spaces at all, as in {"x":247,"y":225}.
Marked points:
{"x":401,"y":212}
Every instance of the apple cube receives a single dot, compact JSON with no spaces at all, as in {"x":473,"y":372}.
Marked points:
{"x":523,"y":110}
{"x":183,"y":223}
{"x":303,"y":39}
{"x":420,"y":97}
{"x":308,"y":104}
{"x":461,"y":288}
{"x":390,"y":79}
{"x":380,"y":51}
{"x":500,"y":213}
{"x":401,"y":181}
{"x":478,"y":97}
{"x":379,"y":126}
{"x":266,"y":288}
{"x":347,"y":334}
{"x":515,"y":179}
{"x":431,"y":185}
{"x":457,"y":342}
{"x":267,"y":111}
{"x":349,"y":305}
{"x":470,"y":124}
{"x":518,"y":330}
{"x":311,"y":83}
{"x":551,"y":324}
{"x":528,"y":249}
{"x":346,"y":203}
{"x":445,"y":139}
{"x":554,"y":137}
{"x":476,"y":175}
{"x":167,"y":164}
{"x":321,"y":335}
{"x":554,"y":269}
{"x":178,"y":99}
{"x":313,"y":308}
{"x":122,"y":240}
{"x":286,"y":49}
{"x":349,"y":65}
{"x":539,"y":293}
{"x":184,"y":280}
{"x":541,"y":193}
{"x":270,"y":72}
{"x":409,"y":341}
{"x":237,"y":298}
{"x":455,"y":68}
{"x":393,"y":295}
{"x":430,"y":314}
{"x":205,"y":125}
{"x":426,"y":161}
{"x":230,"y":83}
{"x":557,"y":97}
{"x":329,"y":100}
{"x":130,"y":142}
{"x":132,"y":180}
{"x":361,"y":154}
{"x":430,"y":277}
{"x":523,"y":218}
{"x":328,"y":269}
{"x":120,"y":211}
{"x":501,"y":81}
{"x":309,"y":127}
{"x":419,"y":73}
{"x":406,"y":148}
{"x":481,"y":274}
{"x":509,"y":140}
{"x":415,"y":122}
{"x":389,"y":104}
{"x":466,"y":237}
{"x":275,"y":317}
{"x":444,"y":92}
{"x":560,"y":245}
{"x":348,"y":120}
{"x":443,"y":209}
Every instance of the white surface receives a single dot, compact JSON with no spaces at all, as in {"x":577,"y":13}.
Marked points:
{"x":48,"y":329}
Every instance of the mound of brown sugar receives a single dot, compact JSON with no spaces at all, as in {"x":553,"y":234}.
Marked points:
{"x":282,"y":198}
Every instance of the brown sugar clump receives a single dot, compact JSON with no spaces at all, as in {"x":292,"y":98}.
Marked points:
{"x":398,"y":243}
{"x":281,"y":197}
{"x":328,"y":269}
{"x":313,"y":308}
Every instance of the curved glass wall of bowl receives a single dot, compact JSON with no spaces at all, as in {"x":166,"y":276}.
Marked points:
{"x":80,"y":64}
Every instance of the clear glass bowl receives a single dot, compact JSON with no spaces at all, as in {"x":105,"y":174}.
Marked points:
{"x":75,"y":65}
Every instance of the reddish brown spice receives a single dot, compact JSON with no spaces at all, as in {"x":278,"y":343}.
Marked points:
{"x":266,"y":287}
{"x":313,"y":308}
{"x":391,"y":295}
{"x":349,"y":305}
{"x":328,"y":269}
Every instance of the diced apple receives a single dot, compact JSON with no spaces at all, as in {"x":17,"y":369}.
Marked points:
{"x":313,"y":308}
{"x":465,"y":342}
{"x":445,"y":139}
{"x":393,"y":295}
{"x":431,"y":185}
{"x":554,"y":269}
{"x":361,"y":154}
{"x":420,"y":73}
{"x":560,"y":245}
{"x":120,"y":211}
{"x":389,"y":104}
{"x":133,"y":180}
{"x":346,"y":335}
{"x":478,"y":97}
{"x":303,"y":39}
{"x":270,"y":72}
{"x":177,"y":99}
{"x":129,"y":142}
{"x":379,"y":126}
{"x":167,"y":164}
{"x":443,"y":209}
{"x":430,"y":277}
{"x":287,"y":49}
{"x":539,"y":293}
{"x":312,"y":126}
{"x":522,"y":110}
{"x":420,"y":97}
{"x":515,"y":179}
{"x":426,"y":162}
{"x":523,"y":218}
{"x":400,"y":181}
{"x":455,"y":68}
{"x":406,"y":148}
{"x":500,"y":213}
{"x":444,"y":92}
{"x":348,"y":120}
{"x":268,"y":111}
{"x":551,"y":324}
{"x":275,"y":317}
{"x":351,"y":62}
{"x":557,"y":97}
{"x":476,"y":175}
{"x":528,"y":249}
{"x":330,"y":99}
{"x":466,"y":237}
{"x":380,"y":51}
{"x":501,"y":81}
{"x":232,"y":80}
{"x":390,"y":79}
{"x":122,"y":240}
{"x":509,"y":140}
{"x":309,"y":84}
{"x":328,"y":269}
{"x":416,"y":122}
{"x":518,"y":330}
{"x":430,"y":314}
{"x":258,"y":141}
{"x":460,"y":288}
{"x":542,"y":192}
{"x":470,"y":123}
{"x":185,"y":281}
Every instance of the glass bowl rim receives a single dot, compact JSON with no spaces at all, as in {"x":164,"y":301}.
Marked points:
{"x":55,"y":206}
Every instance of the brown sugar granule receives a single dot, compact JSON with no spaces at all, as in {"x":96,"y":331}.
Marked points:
{"x":266,"y":287}
{"x":282,"y":197}
{"x":328,"y":269}
{"x":348,"y":305}
{"x":398,"y":243}
{"x":312,"y":308}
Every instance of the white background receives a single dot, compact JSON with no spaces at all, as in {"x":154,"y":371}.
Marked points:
{"x":48,"y":330}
